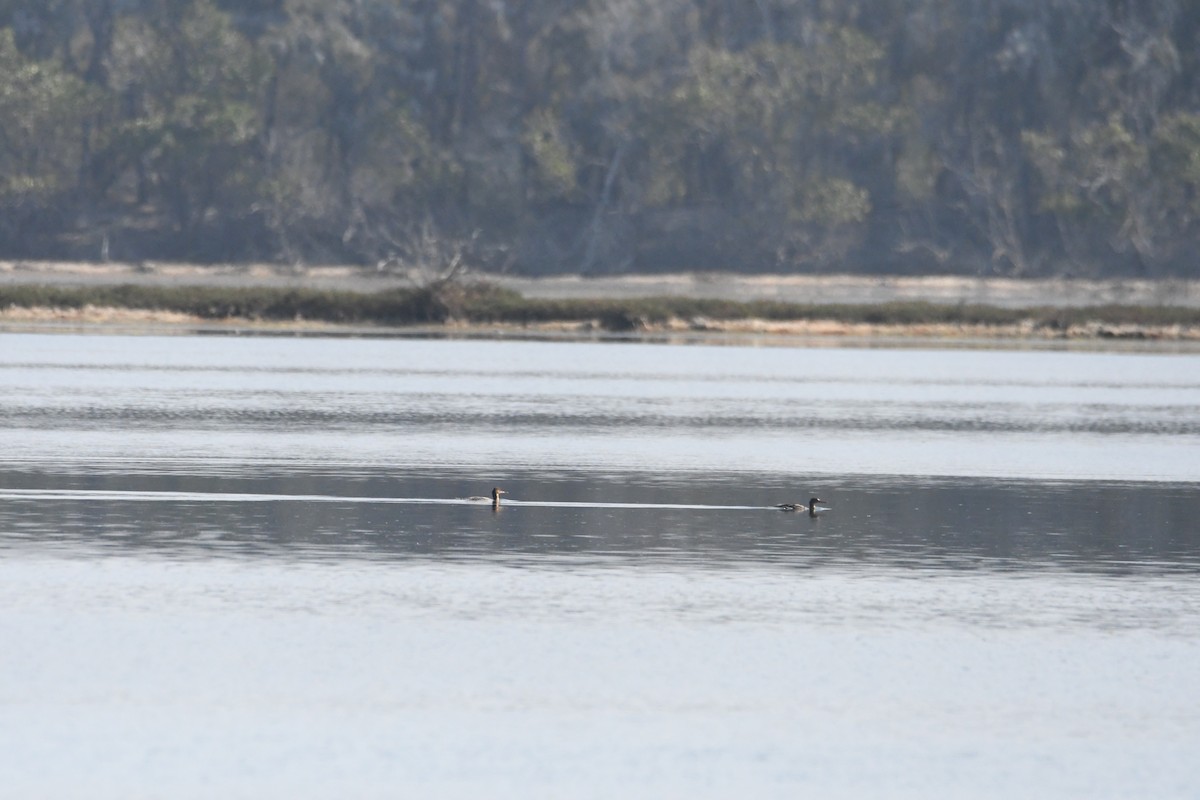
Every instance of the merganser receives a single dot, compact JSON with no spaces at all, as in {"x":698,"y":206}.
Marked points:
{"x":811,"y":507}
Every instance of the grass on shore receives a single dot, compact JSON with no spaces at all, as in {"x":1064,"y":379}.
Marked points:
{"x":483,"y":303}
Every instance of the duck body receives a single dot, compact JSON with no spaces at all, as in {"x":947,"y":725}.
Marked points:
{"x":810,"y":506}
{"x":495,"y":497}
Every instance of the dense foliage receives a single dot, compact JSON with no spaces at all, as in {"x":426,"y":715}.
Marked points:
{"x":1011,"y":137}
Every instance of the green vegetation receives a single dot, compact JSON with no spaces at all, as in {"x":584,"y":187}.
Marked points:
{"x":484,"y":304}
{"x":981,"y":137}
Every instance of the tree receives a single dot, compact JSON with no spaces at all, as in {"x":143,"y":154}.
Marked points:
{"x":1012,"y":137}
{"x":43,"y":108}
{"x":776,"y":128}
{"x":191,"y":121}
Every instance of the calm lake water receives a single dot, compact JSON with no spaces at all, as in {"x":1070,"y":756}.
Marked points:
{"x":247,"y":567}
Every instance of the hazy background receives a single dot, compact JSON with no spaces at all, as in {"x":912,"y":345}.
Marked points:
{"x":984,"y":137}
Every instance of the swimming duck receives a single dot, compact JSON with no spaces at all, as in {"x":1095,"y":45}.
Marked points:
{"x":495,"y":498}
{"x":811,"y":506}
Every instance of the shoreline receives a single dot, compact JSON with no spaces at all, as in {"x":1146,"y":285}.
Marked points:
{"x":831,"y":289}
{"x":761,"y":332}
{"x":695,"y":308}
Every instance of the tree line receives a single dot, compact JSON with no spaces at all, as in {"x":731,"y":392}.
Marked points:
{"x":983,"y":137}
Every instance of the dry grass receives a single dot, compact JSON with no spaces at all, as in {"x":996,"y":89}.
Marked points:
{"x":485,"y":305}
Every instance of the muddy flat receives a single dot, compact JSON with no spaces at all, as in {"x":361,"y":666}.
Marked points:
{"x":830,"y":289}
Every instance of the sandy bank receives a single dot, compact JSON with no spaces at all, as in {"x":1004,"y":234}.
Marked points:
{"x":831,"y":289}
{"x":92,"y":319}
{"x":812,"y":290}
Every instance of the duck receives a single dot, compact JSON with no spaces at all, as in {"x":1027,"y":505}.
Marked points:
{"x":810,"y":506}
{"x":495,"y":498}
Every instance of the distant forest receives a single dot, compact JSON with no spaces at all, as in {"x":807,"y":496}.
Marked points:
{"x":978,"y":137}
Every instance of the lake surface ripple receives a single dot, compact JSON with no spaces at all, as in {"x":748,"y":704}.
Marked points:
{"x":249,"y":567}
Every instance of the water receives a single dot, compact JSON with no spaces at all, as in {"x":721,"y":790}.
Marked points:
{"x":247,"y":567}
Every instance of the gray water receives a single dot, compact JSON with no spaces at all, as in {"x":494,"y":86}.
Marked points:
{"x":247,"y":567}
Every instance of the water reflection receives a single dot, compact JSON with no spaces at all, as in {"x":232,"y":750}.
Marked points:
{"x":643,"y":407}
{"x":269,"y":541}
{"x":584,"y":518}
